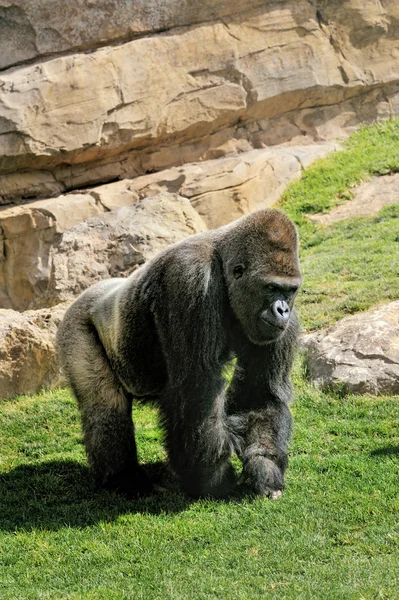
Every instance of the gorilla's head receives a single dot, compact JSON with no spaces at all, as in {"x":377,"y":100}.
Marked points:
{"x":261,"y":270}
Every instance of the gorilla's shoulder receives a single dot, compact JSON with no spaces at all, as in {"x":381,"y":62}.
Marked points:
{"x":185,"y":260}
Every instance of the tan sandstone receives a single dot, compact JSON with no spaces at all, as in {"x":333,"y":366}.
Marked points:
{"x":268,"y":74}
{"x":53,"y":256}
{"x":37,"y":28}
{"x":219,"y":190}
{"x":28,"y":358}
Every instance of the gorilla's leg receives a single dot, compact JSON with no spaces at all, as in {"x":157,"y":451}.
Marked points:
{"x":197,"y":439}
{"x":105,"y":408}
{"x":259,"y":415}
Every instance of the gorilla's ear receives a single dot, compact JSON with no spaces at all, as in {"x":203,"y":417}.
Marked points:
{"x":189,"y":300}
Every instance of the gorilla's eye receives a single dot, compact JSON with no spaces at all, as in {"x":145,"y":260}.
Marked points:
{"x":273,"y":289}
{"x":238,"y":271}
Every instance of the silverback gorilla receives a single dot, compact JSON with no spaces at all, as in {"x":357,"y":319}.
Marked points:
{"x":166,"y":333}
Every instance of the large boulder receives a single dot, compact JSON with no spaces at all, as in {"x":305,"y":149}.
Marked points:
{"x":245,"y":76}
{"x":28,"y":235}
{"x":360,"y":353}
{"x":28,"y":358}
{"x":112,"y":244}
{"x":224,"y":189}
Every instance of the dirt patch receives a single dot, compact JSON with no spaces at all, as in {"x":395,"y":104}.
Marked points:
{"x":368,"y":199}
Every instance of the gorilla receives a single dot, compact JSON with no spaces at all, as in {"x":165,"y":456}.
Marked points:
{"x":167,"y":333}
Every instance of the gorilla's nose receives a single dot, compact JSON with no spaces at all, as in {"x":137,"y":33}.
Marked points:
{"x":281,"y":310}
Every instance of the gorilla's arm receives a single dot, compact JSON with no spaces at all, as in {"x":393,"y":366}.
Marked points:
{"x":188,"y":303}
{"x":258,"y":408}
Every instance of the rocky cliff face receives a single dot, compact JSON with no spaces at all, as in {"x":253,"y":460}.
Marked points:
{"x":93,"y":91}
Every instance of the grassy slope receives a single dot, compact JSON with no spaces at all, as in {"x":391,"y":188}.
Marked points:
{"x":349,"y":267}
{"x":333,"y":535}
{"x":353,"y":264}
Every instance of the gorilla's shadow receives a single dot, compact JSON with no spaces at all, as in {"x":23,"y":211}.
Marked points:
{"x":56,"y":494}
{"x":386,"y":451}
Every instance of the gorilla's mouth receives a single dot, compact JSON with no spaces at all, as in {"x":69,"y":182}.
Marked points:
{"x":277,"y":326}
{"x":269,"y":331}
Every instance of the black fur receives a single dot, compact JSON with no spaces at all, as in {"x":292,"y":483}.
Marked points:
{"x":167,"y":332}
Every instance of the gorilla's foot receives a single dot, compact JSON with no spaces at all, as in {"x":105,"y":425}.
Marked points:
{"x":264,"y":477}
{"x":130,"y":483}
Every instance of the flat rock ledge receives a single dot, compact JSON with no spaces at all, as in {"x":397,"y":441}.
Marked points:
{"x":360,"y":352}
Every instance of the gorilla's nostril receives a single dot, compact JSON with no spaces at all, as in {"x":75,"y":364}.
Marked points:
{"x":281,"y":310}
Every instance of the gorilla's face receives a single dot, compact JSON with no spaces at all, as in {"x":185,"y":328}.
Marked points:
{"x":263,"y":304}
{"x":274,"y":317}
{"x":263,"y":279}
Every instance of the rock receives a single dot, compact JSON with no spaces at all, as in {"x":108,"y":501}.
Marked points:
{"x":224,"y":189}
{"x":360,"y":352}
{"x":33,"y":28}
{"x":28,"y":360}
{"x":220,"y":190}
{"x":111,"y":245}
{"x":250,"y":74}
{"x":368,"y":199}
{"x":28,"y":234}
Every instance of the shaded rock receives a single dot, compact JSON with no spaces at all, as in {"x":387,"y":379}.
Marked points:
{"x":224,"y":189}
{"x":263,"y":75}
{"x":360,"y":352}
{"x":114,"y":244}
{"x":369,"y":198}
{"x":28,"y":359}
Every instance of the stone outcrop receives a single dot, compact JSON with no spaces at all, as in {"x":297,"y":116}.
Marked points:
{"x":360,"y":353}
{"x":244,"y":76}
{"x":51,"y":256}
{"x":39,"y":28}
{"x":28,"y":235}
{"x":28,"y":359}
{"x":224,"y":189}
{"x":116,"y":243}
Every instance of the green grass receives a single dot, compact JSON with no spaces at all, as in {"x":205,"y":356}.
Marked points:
{"x":354,"y":264}
{"x":349,"y":267}
{"x":333,"y":535}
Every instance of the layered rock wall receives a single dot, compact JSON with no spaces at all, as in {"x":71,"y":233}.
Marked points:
{"x":93,"y":105}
